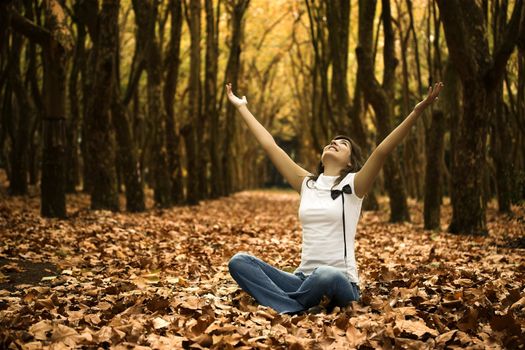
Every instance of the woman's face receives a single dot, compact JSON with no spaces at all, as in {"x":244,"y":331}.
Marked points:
{"x":338,"y":151}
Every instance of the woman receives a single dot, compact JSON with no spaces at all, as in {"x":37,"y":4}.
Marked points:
{"x":329,"y":211}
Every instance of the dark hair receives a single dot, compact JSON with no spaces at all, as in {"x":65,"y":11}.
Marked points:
{"x":356,"y":162}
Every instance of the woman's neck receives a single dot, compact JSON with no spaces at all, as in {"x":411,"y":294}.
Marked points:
{"x":332,"y":171}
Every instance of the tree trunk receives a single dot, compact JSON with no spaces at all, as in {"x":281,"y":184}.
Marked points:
{"x":56,"y":44}
{"x":232,"y":75}
{"x":435,"y":148}
{"x":451,"y":98}
{"x":36,"y":97}
{"x":370,"y":202}
{"x":480,"y":72}
{"x":148,"y":53}
{"x":501,"y":140}
{"x":501,"y":137}
{"x":172,"y":135}
{"x":435,"y":132}
{"x":100,"y":138}
{"x":21,"y":119}
{"x":72,"y":166}
{"x":129,"y":167}
{"x":161,"y":175}
{"x":519,"y":182}
{"x":6,"y":127}
{"x":322,"y":114}
{"x":210,"y":95}
{"x":127,"y":154}
{"x":53,"y":184}
{"x":195,"y":132}
{"x":338,"y":22}
{"x":470,"y":161}
{"x":381,"y":98}
{"x":409,"y":149}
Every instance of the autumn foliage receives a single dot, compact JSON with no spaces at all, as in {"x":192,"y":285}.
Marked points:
{"x":159,"y":279}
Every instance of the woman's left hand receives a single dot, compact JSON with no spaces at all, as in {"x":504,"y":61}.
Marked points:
{"x":237,"y":102}
{"x":433,"y":93}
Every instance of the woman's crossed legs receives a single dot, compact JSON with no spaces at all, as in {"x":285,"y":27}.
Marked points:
{"x":291,"y":293}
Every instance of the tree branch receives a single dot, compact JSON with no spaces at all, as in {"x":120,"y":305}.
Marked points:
{"x":504,"y":50}
{"x":27,"y":28}
{"x":521,"y":34}
{"x":389,"y":58}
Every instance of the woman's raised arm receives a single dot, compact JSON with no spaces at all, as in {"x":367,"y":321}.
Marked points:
{"x":291,"y":171}
{"x":365,"y":177}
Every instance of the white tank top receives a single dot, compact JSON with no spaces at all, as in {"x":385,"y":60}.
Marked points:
{"x":321,"y":219}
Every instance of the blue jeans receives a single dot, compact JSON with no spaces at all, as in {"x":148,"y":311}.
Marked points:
{"x":291,"y":293}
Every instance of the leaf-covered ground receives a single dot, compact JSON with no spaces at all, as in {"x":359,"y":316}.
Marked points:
{"x":160,"y":280}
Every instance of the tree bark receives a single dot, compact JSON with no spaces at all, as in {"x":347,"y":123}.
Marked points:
{"x":100,"y":138}
{"x":20,"y":117}
{"x":501,"y":136}
{"x":519,"y":182}
{"x":370,"y":202}
{"x":36,"y":96}
{"x":130,"y":171}
{"x":127,"y":154}
{"x":161,"y":175}
{"x":72,"y":166}
{"x":322,"y":114}
{"x":148,"y":55}
{"x":210,"y":95}
{"x":435,"y":132}
{"x":435,"y":148}
{"x":56,"y":44}
{"x":480,"y":71}
{"x":238,"y":9}
{"x":338,"y":20}
{"x":173,"y":137}
{"x":381,"y":98}
{"x":195,"y":125}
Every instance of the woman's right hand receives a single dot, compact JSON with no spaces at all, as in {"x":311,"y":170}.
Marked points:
{"x":237,"y":102}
